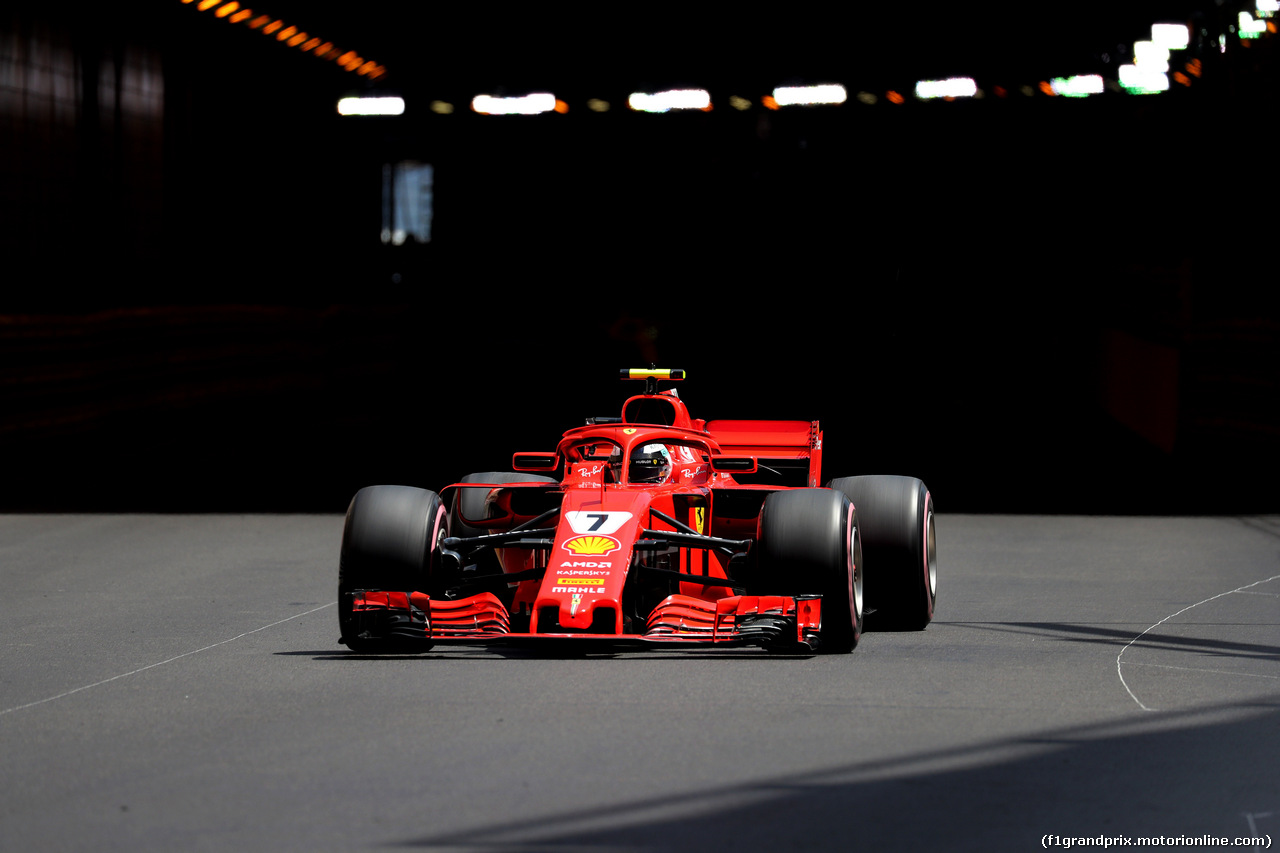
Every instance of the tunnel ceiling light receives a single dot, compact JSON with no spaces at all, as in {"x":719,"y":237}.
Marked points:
{"x":1250,"y":27}
{"x":380,"y":106}
{"x":672,"y":99}
{"x":1151,"y":56}
{"x":952,"y":87}
{"x":1143,"y":81}
{"x":787,"y":96}
{"x":524,"y":105}
{"x":1171,"y":36}
{"x":1079,"y":86}
{"x":1148,"y":73}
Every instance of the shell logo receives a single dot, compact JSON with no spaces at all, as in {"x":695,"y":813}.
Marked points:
{"x":592,"y":546}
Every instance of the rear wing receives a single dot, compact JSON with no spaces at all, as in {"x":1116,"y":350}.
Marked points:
{"x":794,"y":447}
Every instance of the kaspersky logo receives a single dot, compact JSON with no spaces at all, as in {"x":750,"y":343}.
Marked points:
{"x":592,"y":545}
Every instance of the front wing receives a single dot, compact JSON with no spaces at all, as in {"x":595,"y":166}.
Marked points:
{"x":775,"y":622}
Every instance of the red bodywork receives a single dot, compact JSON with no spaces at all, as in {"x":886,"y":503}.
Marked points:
{"x":588,"y":556}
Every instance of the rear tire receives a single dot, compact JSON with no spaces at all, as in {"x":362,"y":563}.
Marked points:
{"x":809,"y":542}
{"x":900,"y":544}
{"x":390,"y":541}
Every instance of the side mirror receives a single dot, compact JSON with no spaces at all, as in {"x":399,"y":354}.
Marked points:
{"x":734,"y":464}
{"x":535,"y":461}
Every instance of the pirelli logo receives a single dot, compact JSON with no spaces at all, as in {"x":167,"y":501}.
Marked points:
{"x":581,"y":581}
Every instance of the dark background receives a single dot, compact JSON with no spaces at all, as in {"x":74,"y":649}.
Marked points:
{"x":1036,"y":304}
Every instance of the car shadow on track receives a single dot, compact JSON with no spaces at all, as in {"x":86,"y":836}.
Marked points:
{"x":529,"y":654}
{"x":1186,"y":774}
{"x":1121,"y":637}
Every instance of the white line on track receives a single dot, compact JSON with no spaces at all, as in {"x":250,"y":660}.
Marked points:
{"x":163,"y":662}
{"x":1202,"y":669}
{"x":1132,"y":695}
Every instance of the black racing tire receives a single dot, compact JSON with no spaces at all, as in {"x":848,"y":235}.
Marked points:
{"x":808,"y":541}
{"x":900,"y":545}
{"x":391,"y":541}
{"x":469,"y":503}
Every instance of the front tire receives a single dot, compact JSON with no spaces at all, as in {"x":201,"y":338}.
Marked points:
{"x":390,"y":541}
{"x":899,"y":540}
{"x":809,"y":542}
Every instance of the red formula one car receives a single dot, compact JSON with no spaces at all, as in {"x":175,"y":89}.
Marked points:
{"x":652,"y":529}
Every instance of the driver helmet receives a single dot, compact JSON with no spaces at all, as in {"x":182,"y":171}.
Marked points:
{"x":650,"y":463}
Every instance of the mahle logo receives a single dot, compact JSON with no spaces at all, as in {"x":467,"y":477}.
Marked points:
{"x":592,"y":546}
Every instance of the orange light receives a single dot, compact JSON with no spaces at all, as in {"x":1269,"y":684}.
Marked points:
{"x":561,"y":106}
{"x":1047,"y":89}
{"x":769,"y":102}
{"x":1179,"y":77}
{"x":233,"y":11}
{"x":1271,"y":26}
{"x":1193,"y":68}
{"x":894,"y":97}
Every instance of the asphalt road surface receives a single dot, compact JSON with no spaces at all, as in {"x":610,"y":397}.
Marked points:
{"x":174,"y":683}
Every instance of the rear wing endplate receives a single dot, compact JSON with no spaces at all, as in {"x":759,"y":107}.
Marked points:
{"x":772,"y":440}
